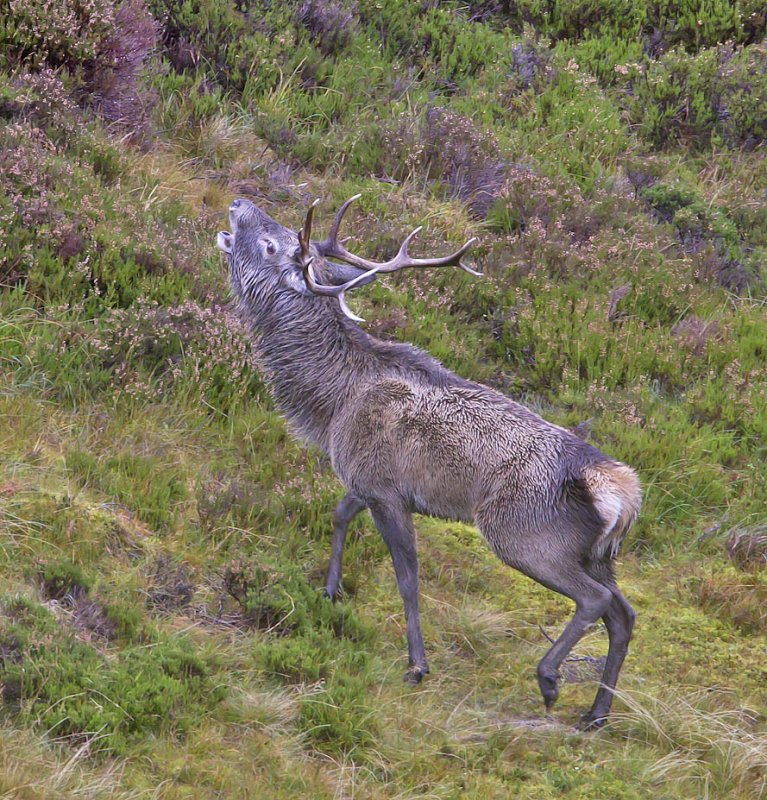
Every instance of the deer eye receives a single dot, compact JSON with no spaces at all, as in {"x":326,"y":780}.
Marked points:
{"x":271,"y":247}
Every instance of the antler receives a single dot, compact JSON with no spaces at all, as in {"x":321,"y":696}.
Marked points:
{"x":331,"y":248}
{"x":336,"y":291}
{"x":305,"y":235}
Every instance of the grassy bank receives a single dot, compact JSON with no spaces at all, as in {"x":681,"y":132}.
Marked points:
{"x":163,"y":539}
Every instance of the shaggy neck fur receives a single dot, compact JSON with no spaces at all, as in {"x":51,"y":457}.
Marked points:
{"x":315,"y":359}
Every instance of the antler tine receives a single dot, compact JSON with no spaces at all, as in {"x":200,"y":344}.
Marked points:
{"x":333,"y":235}
{"x":403,"y":260}
{"x":335,"y":291}
{"x":460,"y":252}
{"x":305,"y":235}
{"x":331,"y":248}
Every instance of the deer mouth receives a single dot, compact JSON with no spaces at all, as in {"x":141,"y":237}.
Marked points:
{"x":225,"y":242}
{"x":225,"y":239}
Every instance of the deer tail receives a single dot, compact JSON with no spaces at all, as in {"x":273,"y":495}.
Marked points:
{"x":617,"y":497}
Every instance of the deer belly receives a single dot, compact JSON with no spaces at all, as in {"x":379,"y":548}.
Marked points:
{"x":444,"y":490}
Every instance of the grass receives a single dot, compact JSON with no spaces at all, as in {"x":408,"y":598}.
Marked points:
{"x":163,"y":539}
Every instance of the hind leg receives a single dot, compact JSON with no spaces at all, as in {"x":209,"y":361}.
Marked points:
{"x":546,"y":559}
{"x":591,"y":601}
{"x":552,"y":556}
{"x":619,"y":621}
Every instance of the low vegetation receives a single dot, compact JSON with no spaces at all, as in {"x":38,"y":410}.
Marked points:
{"x":163,"y":539}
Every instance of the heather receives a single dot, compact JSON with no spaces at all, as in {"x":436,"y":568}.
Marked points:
{"x":163,"y":538}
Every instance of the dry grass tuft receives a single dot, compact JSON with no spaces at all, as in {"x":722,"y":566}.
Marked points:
{"x":474,"y":629}
{"x":719,"y":750}
{"x":742,"y":603}
{"x":694,"y":333}
{"x":33,"y":769}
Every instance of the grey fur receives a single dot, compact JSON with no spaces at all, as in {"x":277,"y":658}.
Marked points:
{"x":405,"y":435}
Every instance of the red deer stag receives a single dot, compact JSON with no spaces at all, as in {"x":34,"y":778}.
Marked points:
{"x":405,"y":435}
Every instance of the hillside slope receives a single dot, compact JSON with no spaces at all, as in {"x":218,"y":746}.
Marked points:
{"x":163,"y":539}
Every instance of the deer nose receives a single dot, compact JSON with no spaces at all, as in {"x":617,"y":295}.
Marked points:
{"x":237,"y":211}
{"x":240,"y":205}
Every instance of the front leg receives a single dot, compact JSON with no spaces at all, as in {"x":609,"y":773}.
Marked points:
{"x":345,"y":512}
{"x":395,"y":525}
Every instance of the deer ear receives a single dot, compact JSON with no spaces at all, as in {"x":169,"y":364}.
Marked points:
{"x":293,"y":279}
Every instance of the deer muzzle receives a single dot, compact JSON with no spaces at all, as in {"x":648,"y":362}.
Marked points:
{"x":241,"y":210}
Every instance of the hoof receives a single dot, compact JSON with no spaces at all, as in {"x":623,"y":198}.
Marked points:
{"x":549,"y":690}
{"x":330,"y":594}
{"x":415,"y":675}
{"x":591,"y":721}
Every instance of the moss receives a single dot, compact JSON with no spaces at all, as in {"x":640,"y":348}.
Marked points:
{"x":63,"y":578}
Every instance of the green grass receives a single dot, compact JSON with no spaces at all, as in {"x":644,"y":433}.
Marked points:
{"x":163,"y":540}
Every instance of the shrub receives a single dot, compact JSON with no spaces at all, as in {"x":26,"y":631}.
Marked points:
{"x":669,"y":100}
{"x":63,"y":578}
{"x":694,"y":25}
{"x":739,"y":95}
{"x":574,"y":126}
{"x":525,"y":197}
{"x":113,"y":78}
{"x":531,"y":68}
{"x":70,"y":240}
{"x":274,"y":595}
{"x":331,"y":24}
{"x":695,"y":333}
{"x":221,"y":501}
{"x":68,"y":33}
{"x":102,"y":44}
{"x":41,"y":98}
{"x":696,"y":221}
{"x":230,"y":48}
{"x":691,"y":24}
{"x":309,"y":639}
{"x":67,"y":688}
{"x":450,"y":151}
{"x":434,"y":37}
{"x":718,"y":95}
{"x":152,"y":351}
{"x":667,"y":199}
{"x":592,"y":18}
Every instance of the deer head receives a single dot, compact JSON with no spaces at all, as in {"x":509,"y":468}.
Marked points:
{"x":268,"y":259}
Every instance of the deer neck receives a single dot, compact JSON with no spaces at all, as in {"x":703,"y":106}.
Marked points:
{"x":313,"y":360}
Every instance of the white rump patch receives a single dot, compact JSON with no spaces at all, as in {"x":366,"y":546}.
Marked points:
{"x":609,"y":507}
